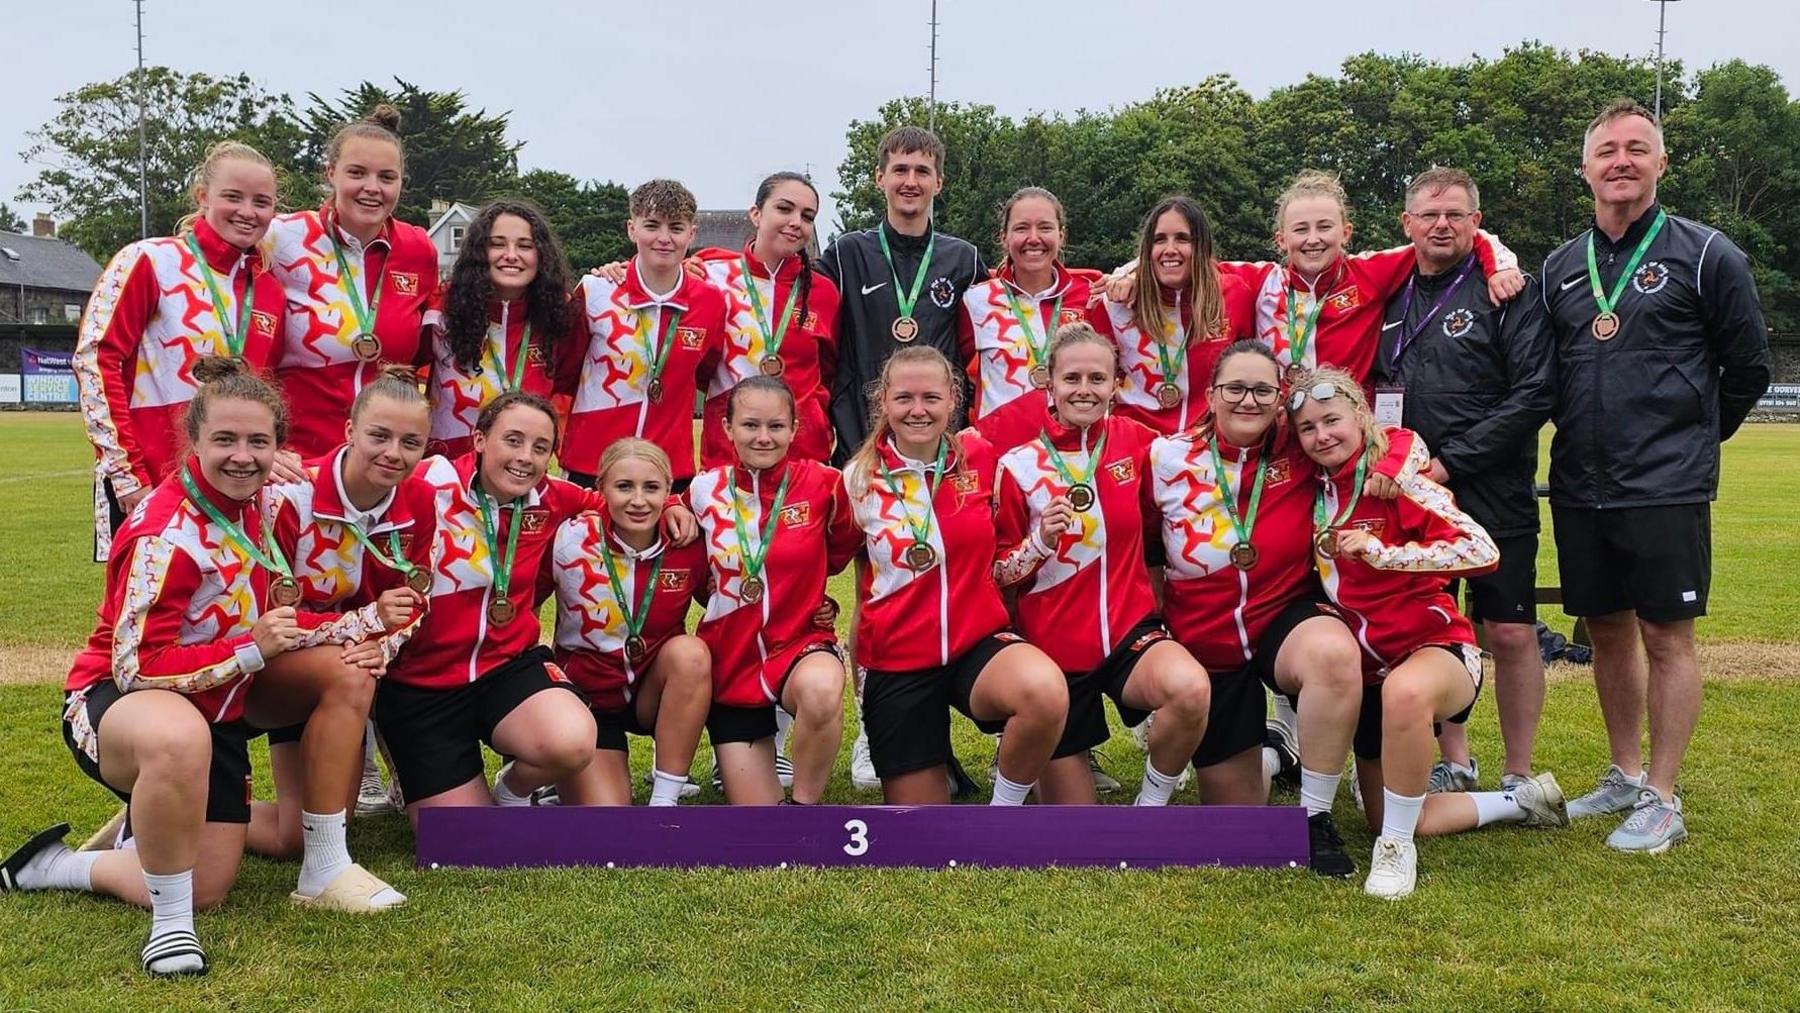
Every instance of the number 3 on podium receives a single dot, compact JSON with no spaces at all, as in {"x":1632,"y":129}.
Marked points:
{"x":858,"y":844}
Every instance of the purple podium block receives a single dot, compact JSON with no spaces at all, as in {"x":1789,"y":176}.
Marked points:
{"x":862,"y":836}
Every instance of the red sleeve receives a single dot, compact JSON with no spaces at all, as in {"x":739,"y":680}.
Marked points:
{"x":154,"y":588}
{"x":1406,"y":454}
{"x":573,"y":348}
{"x":1384,"y":271}
{"x":1099,"y":319}
{"x":712,"y":317}
{"x":1240,"y":306}
{"x":965,"y":340}
{"x":105,"y":365}
{"x":1012,"y":516}
{"x":843,"y":538}
{"x":824,"y":299}
{"x":1435,"y":536}
{"x":1250,"y":272}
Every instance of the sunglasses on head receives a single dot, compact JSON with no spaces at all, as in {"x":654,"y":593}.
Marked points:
{"x":1319,"y":392}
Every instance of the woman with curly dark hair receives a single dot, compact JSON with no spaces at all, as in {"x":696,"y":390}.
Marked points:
{"x":504,"y":312}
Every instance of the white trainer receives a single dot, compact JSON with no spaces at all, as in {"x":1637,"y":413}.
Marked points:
{"x":862,"y":768}
{"x":1393,"y":869}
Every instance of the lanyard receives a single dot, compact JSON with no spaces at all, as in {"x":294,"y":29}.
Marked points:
{"x":269,"y":556}
{"x":1040,"y":353}
{"x":753,"y":564}
{"x":911,"y":296}
{"x":1606,"y":305}
{"x":365,"y":318}
{"x":1319,"y":521}
{"x":1172,"y":363}
{"x":234,"y":336}
{"x":1062,"y":465}
{"x":634,"y":620}
{"x":517,"y":379}
{"x":1247,"y":523}
{"x":1300,"y":334}
{"x":771,"y":336}
{"x":1408,"y":334}
{"x":396,"y":562}
{"x":502,"y":565}
{"x":921,"y":529}
{"x":657,"y":355}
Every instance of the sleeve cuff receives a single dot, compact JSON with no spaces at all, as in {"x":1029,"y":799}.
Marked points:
{"x":249,"y":657}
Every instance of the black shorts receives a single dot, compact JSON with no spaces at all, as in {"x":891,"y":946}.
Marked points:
{"x":285,"y":734}
{"x":228,"y":783}
{"x":739,"y":724}
{"x":1655,"y":560}
{"x":1236,"y":721}
{"x":612,"y":727}
{"x":1086,"y":727}
{"x":1367,"y":742}
{"x":1509,"y":594}
{"x":588,"y":480}
{"x":907,"y":714}
{"x":434,"y":736}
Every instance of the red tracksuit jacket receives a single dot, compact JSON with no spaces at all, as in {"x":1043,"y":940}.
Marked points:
{"x":1393,"y":595}
{"x":993,"y":339}
{"x":457,"y":395}
{"x":919,"y":620}
{"x":320,"y":375}
{"x":755,"y":645}
{"x":1141,"y":369}
{"x":808,"y":351}
{"x":609,"y":373}
{"x":1078,"y":598}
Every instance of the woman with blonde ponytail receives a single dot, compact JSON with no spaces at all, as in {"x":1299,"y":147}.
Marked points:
{"x":160,"y":306}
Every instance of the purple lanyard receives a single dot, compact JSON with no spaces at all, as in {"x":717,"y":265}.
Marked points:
{"x":1406,"y":337}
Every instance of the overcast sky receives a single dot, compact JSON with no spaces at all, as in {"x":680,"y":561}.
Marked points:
{"x":591,"y":86}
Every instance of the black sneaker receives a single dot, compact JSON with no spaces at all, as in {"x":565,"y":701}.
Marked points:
{"x":1327,"y":848}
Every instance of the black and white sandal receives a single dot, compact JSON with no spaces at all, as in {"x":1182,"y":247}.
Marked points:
{"x":180,"y":943}
{"x":9,"y":869}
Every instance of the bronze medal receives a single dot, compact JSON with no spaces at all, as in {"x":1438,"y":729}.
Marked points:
{"x":905,"y":329}
{"x":920,"y":556}
{"x":635,"y":649}
{"x":750,"y":589}
{"x":1081,"y":496}
{"x":656,"y":391}
{"x":1243,"y":555}
{"x":1168,"y":395}
{"x":284,"y":592}
{"x":1293,"y":372}
{"x":771,"y":365}
{"x":500,"y":611}
{"x":1326,"y":542}
{"x":418,"y":580}
{"x":1040,"y":377}
{"x":1605,"y":326}
{"x":366,"y":347}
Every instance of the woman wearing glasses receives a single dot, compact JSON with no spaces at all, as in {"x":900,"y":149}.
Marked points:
{"x":1234,"y":507}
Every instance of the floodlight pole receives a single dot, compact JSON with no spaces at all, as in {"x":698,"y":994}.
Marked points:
{"x":1662,"y":29}
{"x":931,"y":101}
{"x":143,"y":156}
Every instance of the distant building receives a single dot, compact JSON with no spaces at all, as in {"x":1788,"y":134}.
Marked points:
{"x":43,"y":280}
{"x":731,"y":230}
{"x":449,"y":224}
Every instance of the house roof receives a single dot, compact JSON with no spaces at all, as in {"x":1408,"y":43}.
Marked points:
{"x":45,"y":263}
{"x":456,"y":214}
{"x":731,"y":230}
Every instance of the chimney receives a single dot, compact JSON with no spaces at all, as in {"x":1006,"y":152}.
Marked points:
{"x":438,"y":206}
{"x":43,"y":227}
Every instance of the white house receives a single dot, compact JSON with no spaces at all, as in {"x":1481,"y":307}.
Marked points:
{"x":449,"y":223}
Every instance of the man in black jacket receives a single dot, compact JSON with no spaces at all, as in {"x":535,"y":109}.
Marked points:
{"x":1661,"y":352}
{"x":1474,"y":380}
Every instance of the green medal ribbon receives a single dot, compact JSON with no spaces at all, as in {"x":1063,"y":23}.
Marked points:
{"x":268,"y":557}
{"x":1247,"y":523}
{"x":911,"y":297}
{"x":502,"y":565}
{"x":234,"y":336}
{"x":634,"y":619}
{"x":1172,"y":363}
{"x":657,"y":354}
{"x":396,"y":562}
{"x":517,"y":377}
{"x":771,"y":336}
{"x":1062,"y":464}
{"x":753,"y":564}
{"x":1040,"y":353}
{"x":1300,"y":334}
{"x":921,"y":529}
{"x":1320,"y":523}
{"x":365,"y":318}
{"x":1606,"y":305}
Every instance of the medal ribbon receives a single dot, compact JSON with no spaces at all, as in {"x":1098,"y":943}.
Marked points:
{"x":634,"y":619}
{"x":502,"y":565}
{"x":1247,"y":523}
{"x":517,"y":378}
{"x":1606,"y":305}
{"x":1300,"y":335}
{"x":234,"y":337}
{"x":1040,"y":353}
{"x":365,"y":318}
{"x":1356,"y":484}
{"x":1171,"y":366}
{"x":1062,"y":465}
{"x":397,"y":562}
{"x":771,"y":337}
{"x":753,"y":564}
{"x":911,"y":298}
{"x":657,"y":354}
{"x":921,"y":529}
{"x":268,"y":557}
{"x":1408,"y":334}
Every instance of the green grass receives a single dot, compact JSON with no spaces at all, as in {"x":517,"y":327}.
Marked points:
{"x":1506,"y":919}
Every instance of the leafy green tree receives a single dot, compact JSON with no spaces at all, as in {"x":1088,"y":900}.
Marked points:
{"x":589,"y":217}
{"x":9,"y":219}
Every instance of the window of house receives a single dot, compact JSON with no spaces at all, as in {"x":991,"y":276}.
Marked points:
{"x":456,"y":238}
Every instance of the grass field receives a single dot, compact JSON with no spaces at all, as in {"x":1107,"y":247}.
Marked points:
{"x":1507,"y":919}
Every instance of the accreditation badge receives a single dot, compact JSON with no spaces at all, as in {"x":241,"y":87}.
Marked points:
{"x":1390,"y":404}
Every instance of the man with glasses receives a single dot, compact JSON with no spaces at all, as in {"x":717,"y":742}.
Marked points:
{"x":1474,"y":380}
{"x":1661,"y":352}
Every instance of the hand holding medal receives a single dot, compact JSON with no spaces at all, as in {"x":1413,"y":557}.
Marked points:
{"x":1058,"y":517}
{"x":1327,"y":533}
{"x":397,"y":606}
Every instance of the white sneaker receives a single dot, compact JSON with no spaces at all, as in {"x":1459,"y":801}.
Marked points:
{"x":862,"y":768}
{"x":1140,"y":733}
{"x":1393,"y":869}
{"x":372,"y":799}
{"x":784,"y":770}
{"x":1542,"y":799}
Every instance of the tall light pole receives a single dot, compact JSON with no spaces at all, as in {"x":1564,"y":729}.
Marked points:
{"x":931,"y":99}
{"x":1662,"y":29}
{"x":143,"y":156}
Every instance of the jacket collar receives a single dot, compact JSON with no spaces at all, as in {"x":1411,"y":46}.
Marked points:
{"x":1067,"y":437}
{"x":328,"y":217}
{"x":639,"y":297}
{"x":1059,"y":285}
{"x":898,"y":462}
{"x":1327,"y":280}
{"x":784,"y":273}
{"x":1633,"y":235}
{"x":331,"y":504}
{"x":469,"y":464}
{"x":619,"y":545}
{"x":233,"y":509}
{"x":220,"y":255}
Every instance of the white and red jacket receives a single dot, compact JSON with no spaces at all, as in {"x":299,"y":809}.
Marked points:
{"x":609,"y":372}
{"x":1017,"y":421}
{"x":921,"y":620}
{"x":754,"y":645}
{"x":1355,"y":289}
{"x":181,"y":599}
{"x":1141,"y":369}
{"x":456,"y":644}
{"x":1217,"y":611}
{"x":992,"y":338}
{"x":336,"y":573}
{"x":1080,"y":597}
{"x":320,"y":375}
{"x":1393,"y":595}
{"x":150,"y":319}
{"x":808,"y":350}
{"x":458,"y":394}
{"x":590,"y":611}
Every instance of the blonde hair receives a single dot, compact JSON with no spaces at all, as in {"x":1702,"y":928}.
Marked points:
{"x":1345,"y":386}
{"x":398,"y":382}
{"x":1069,"y":335}
{"x":220,"y":153}
{"x":1311,"y":183}
{"x":630,"y":448}
{"x":866,"y":461}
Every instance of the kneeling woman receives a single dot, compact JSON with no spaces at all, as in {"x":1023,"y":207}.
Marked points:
{"x":475,"y":671}
{"x":197,"y":620}
{"x":932,"y":629}
{"x":622,"y":594}
{"x":1070,"y":520}
{"x":1384,"y":563}
{"x":775,"y":528}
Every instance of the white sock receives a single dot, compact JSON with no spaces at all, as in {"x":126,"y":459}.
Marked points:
{"x":1400,"y":814}
{"x":1008,"y":792}
{"x":1157,"y":786}
{"x":1496,"y":807}
{"x":326,"y":854}
{"x":1318,"y":791}
{"x":665,"y":788}
{"x":783,"y":721}
{"x":58,"y":868}
{"x":172,"y":910}
{"x":503,"y":793}
{"x":1271,"y":763}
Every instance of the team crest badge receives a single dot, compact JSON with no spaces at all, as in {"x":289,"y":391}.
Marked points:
{"x":405,"y":539}
{"x":1069,"y":316}
{"x":811,"y":321}
{"x":690,"y":337}
{"x":796,"y":515}
{"x":1374,"y":526}
{"x":673,"y":580}
{"x":534,"y":520}
{"x":964,"y":483}
{"x":261,"y":322}
{"x":405,"y":282}
{"x":1650,"y":278}
{"x":943,"y":292}
{"x":1279,"y":472}
{"x":535,"y":353}
{"x":1122,"y":470}
{"x":1457,"y":322}
{"x":1345,"y":301}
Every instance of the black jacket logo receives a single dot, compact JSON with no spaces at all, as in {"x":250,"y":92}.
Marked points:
{"x":943,"y":292}
{"x":1457,"y":322}
{"x":1650,"y":278}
